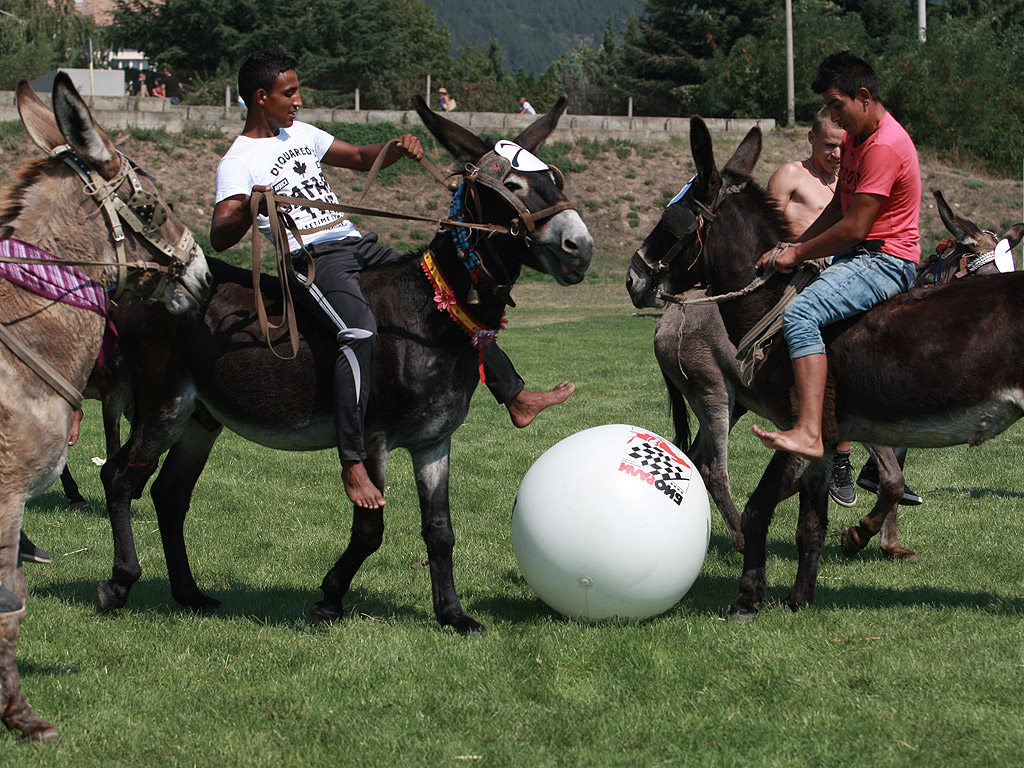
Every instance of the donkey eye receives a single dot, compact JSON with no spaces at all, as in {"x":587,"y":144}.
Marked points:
{"x":513,"y":185}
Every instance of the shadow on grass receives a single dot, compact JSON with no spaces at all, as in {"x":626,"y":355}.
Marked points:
{"x":276,"y":607}
{"x":980,"y":493}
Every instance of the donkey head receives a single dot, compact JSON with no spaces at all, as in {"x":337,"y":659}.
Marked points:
{"x":971,"y":250}
{"x":669,"y":261}
{"x":507,"y":184}
{"x":97,"y":207}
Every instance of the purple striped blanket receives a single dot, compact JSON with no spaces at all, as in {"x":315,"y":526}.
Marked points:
{"x":60,"y":282}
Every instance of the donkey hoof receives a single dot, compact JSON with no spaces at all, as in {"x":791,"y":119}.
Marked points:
{"x":850,"y":542}
{"x":464,"y":625}
{"x":207,"y":606}
{"x":742,"y":617}
{"x":109,"y":596}
{"x":45,"y":734}
{"x":901,"y":553}
{"x":325,"y":613}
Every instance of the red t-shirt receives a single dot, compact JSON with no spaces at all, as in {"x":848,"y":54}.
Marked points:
{"x":886,"y":164}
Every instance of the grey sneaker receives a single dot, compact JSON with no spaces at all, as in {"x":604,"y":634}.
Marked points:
{"x":10,"y":603}
{"x":30,"y":553}
{"x":841,"y":487}
{"x":868,"y":480}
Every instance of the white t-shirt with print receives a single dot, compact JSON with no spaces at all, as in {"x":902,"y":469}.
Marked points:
{"x":290,"y":164}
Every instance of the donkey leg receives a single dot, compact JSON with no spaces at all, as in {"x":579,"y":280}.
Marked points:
{"x":366,"y":537}
{"x":15,"y":711}
{"x":883,"y":513}
{"x":757,"y":515}
{"x":172,"y":495}
{"x":71,"y":491}
{"x":432,"y":471}
{"x":124,"y":476}
{"x":811,"y":528}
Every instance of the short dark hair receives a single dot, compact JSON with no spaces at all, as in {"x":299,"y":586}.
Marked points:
{"x":848,"y":73}
{"x":260,"y":70}
{"x":822,"y":118}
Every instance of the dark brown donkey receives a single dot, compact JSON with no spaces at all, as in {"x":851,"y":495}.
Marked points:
{"x":698,"y":361}
{"x":83,"y":202}
{"x":933,"y":367}
{"x":214,"y":370}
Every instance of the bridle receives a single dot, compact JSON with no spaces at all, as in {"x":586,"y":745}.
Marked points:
{"x":966,"y":265}
{"x":143,"y":212}
{"x":490,"y":172}
{"x":687,"y":219}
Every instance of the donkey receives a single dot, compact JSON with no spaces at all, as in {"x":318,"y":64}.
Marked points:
{"x":59,"y":204}
{"x":929,"y":368}
{"x":214,"y":370}
{"x":698,"y":362}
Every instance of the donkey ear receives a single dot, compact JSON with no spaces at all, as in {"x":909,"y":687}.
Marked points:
{"x":1014,"y":234}
{"x":961,"y":228}
{"x":703,"y":155}
{"x":542,"y":127}
{"x":80,"y":130}
{"x":38,"y":119}
{"x":745,"y":157}
{"x":463,"y":145}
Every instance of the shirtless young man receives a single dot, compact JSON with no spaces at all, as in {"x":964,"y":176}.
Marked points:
{"x":870,"y":228}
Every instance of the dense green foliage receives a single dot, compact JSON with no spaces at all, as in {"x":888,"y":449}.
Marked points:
{"x":957,"y":92}
{"x":37,"y":36}
{"x":532,"y":32}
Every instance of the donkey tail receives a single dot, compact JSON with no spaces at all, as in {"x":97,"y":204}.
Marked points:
{"x":680,"y":415}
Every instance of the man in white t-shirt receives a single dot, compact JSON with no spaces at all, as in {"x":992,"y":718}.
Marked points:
{"x":275,"y":151}
{"x":525,"y":107}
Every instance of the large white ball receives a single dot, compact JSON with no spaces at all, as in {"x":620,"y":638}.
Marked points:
{"x":611,"y":521}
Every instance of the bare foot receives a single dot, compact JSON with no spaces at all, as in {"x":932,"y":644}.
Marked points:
{"x":791,"y":441}
{"x":360,"y":489}
{"x":525,"y":406}
{"x":76,"y":426}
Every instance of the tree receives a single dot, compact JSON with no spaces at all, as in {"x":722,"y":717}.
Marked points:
{"x":384,"y":48}
{"x":37,"y":36}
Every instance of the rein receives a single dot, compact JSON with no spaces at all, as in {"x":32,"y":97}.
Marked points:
{"x":490,"y":171}
{"x":143,"y":212}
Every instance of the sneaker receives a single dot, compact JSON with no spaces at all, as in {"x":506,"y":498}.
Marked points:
{"x":841,"y":487}
{"x":868,"y":480}
{"x":30,"y":553}
{"x":10,"y":603}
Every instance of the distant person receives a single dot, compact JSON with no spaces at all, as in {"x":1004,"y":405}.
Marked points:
{"x":525,"y":107}
{"x":139,"y":87}
{"x":158,"y":89}
{"x":447,"y":103}
{"x":172,"y":86}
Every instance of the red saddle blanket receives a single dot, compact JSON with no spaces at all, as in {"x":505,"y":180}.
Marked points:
{"x":60,"y":282}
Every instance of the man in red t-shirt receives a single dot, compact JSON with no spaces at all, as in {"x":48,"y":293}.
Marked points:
{"x":870,"y":226}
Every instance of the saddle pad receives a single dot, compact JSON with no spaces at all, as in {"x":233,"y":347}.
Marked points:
{"x":57,"y":281}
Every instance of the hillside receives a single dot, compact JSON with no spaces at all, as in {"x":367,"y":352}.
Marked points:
{"x":619,"y":190}
{"x":532,"y":33}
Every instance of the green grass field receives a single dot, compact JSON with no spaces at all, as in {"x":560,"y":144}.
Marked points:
{"x":897,"y":664}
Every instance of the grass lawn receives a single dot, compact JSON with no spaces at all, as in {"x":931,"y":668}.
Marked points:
{"x":897,"y":664}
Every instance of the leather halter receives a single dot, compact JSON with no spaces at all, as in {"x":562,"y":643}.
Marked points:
{"x":683,"y":222}
{"x":491,"y":170}
{"x":143,"y":212}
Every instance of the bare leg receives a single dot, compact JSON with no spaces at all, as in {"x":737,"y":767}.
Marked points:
{"x":360,"y":489}
{"x":804,"y":439}
{"x":526,"y":405}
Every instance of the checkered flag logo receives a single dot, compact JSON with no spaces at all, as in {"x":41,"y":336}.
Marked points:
{"x":657,"y":463}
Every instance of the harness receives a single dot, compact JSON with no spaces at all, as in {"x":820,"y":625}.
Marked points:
{"x":690,"y":220}
{"x":490,"y":171}
{"x":144,"y":213}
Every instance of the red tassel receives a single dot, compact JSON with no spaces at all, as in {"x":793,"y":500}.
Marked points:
{"x":480,"y":367}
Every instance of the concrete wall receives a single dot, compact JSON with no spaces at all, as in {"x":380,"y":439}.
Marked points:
{"x":124,"y":111}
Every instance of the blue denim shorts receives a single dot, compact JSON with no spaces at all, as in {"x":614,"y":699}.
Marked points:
{"x":857,"y":280}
